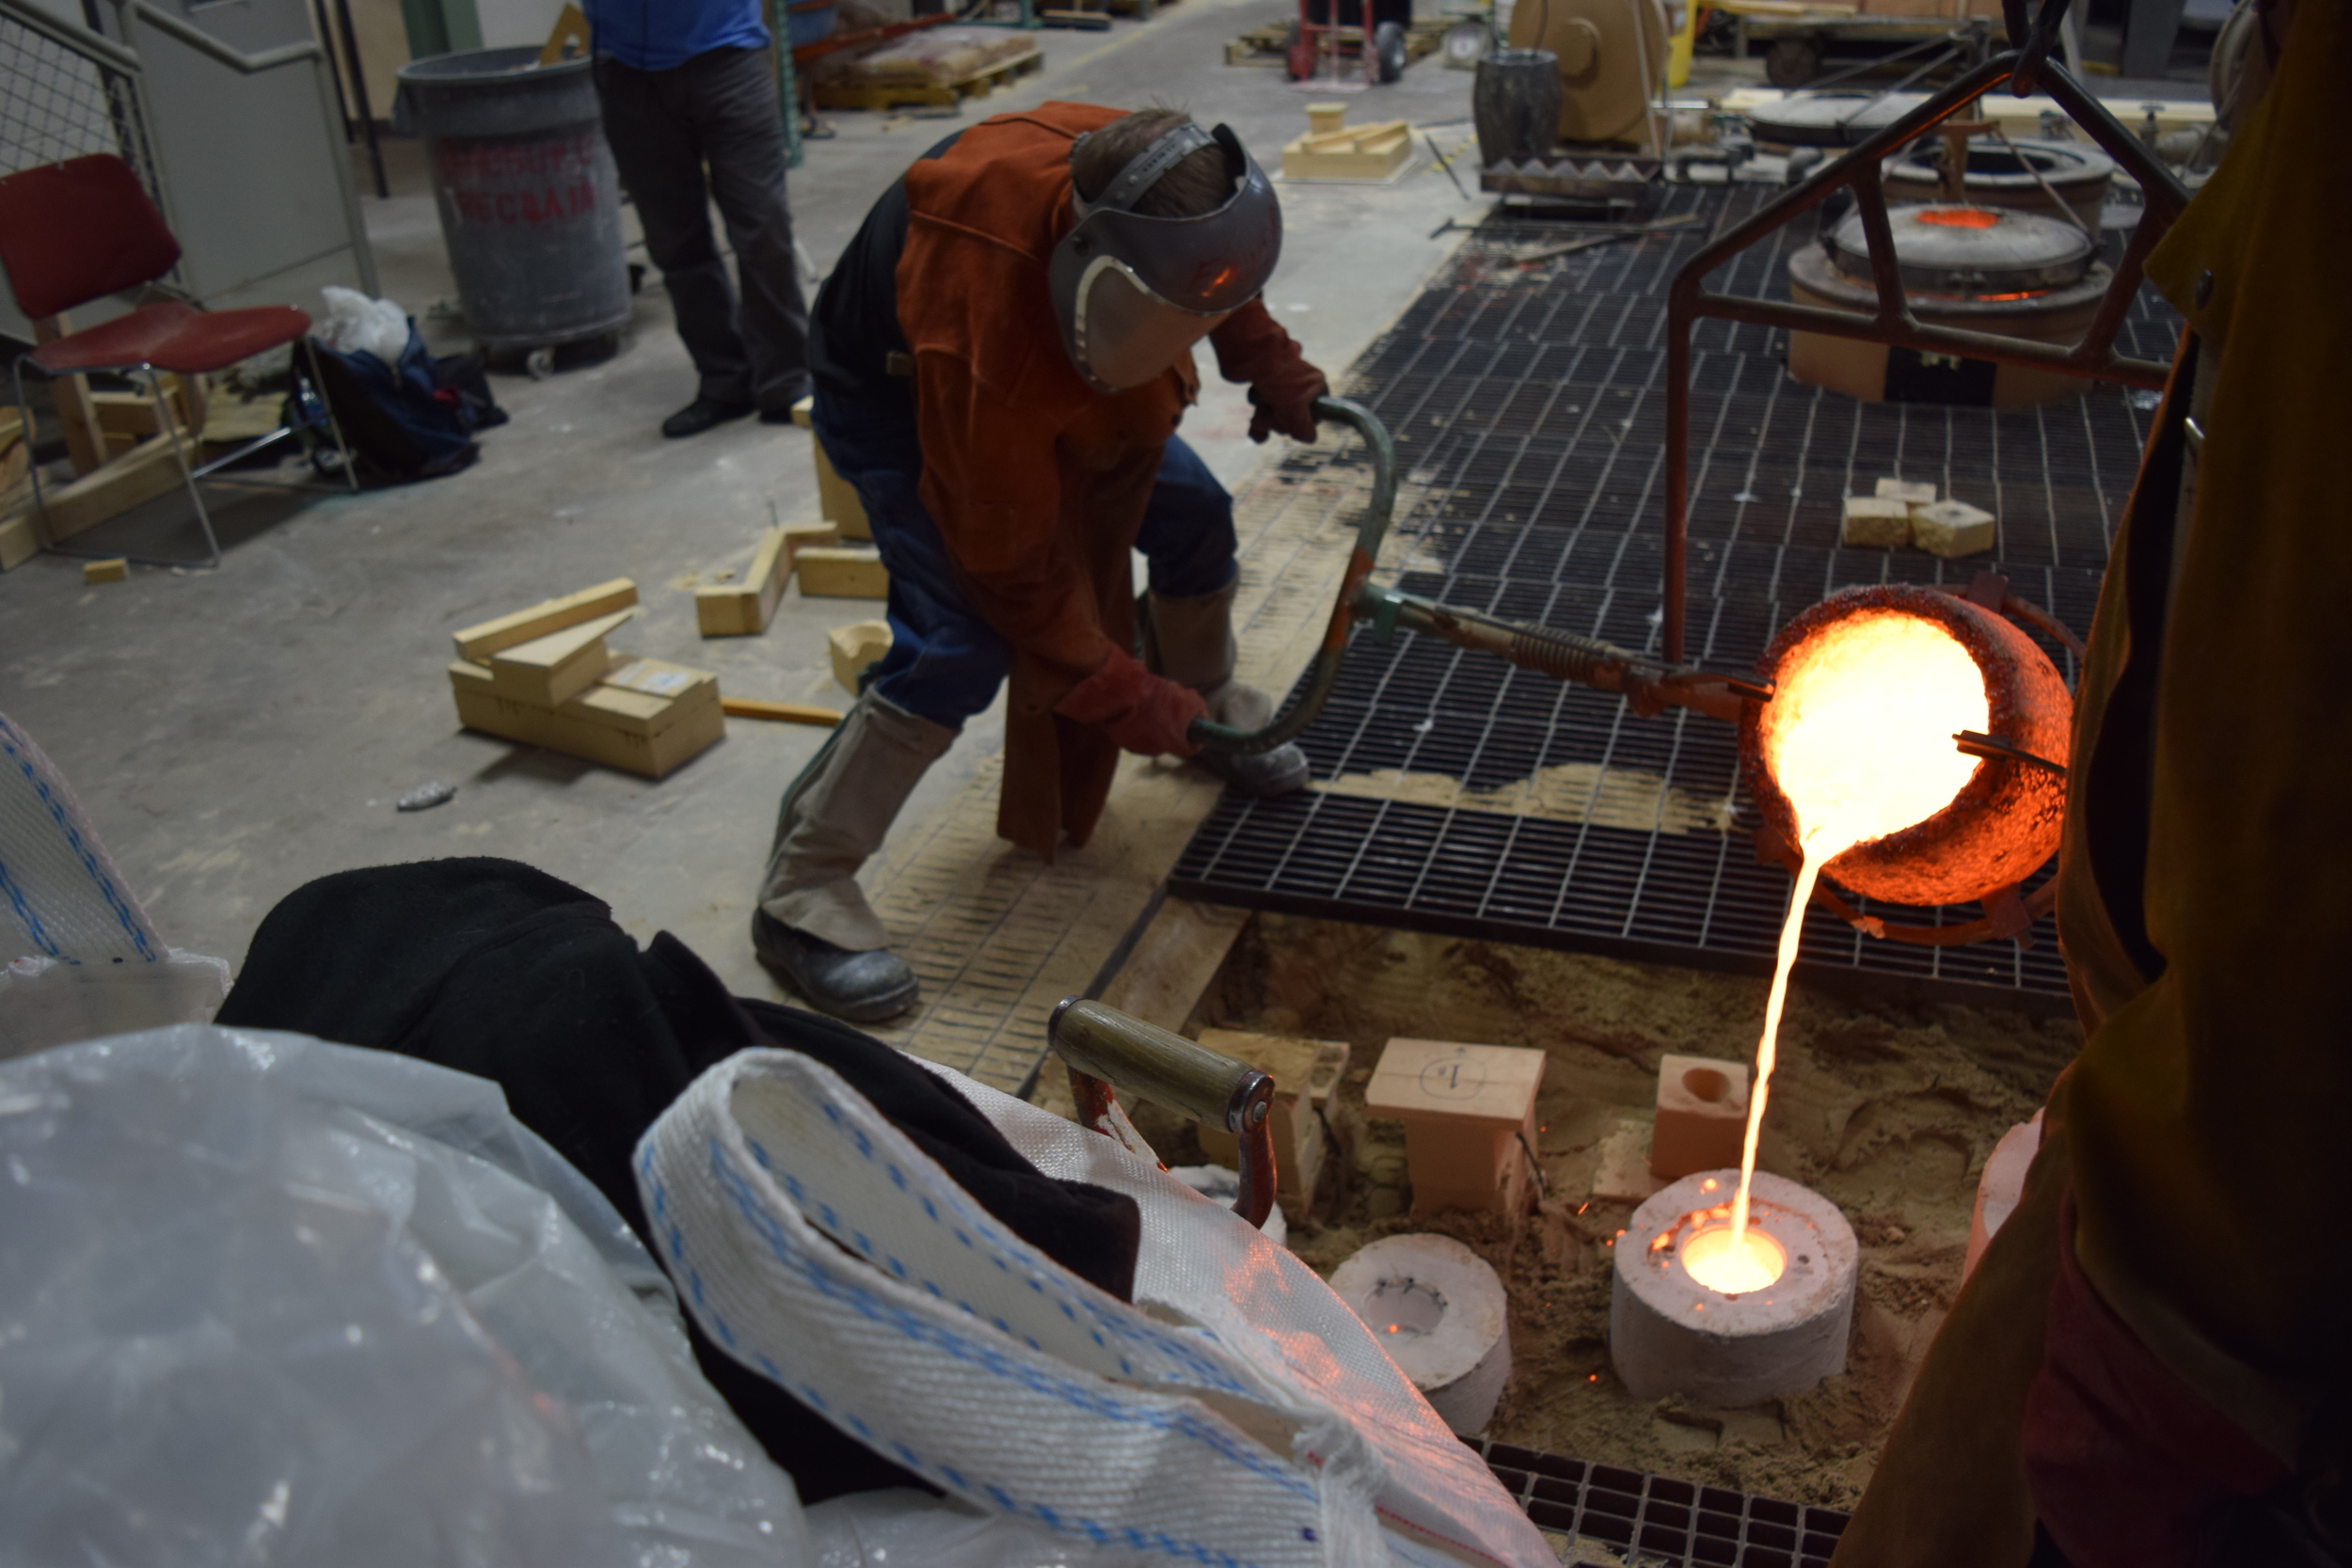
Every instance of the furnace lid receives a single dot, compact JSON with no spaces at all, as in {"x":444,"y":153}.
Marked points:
{"x":1941,"y":249}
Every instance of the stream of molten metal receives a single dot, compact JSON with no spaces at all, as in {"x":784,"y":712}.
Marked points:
{"x":1859,"y":736}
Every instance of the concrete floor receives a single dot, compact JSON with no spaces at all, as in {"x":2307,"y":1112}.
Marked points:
{"x":239,"y":731}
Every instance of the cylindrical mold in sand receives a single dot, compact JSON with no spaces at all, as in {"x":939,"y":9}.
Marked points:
{"x":1438,"y":1310}
{"x":1668,"y":1334}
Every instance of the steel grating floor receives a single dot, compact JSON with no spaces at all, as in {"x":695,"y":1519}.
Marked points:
{"x":1655,"y":1522}
{"x":1528,"y":410}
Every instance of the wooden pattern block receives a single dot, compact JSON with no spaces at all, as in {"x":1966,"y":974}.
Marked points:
{"x":644,"y":717}
{"x":744,"y":609}
{"x":842,"y":573}
{"x":478,"y":643}
{"x":559,"y":666}
{"x":856,"y":648}
{"x":1465,"y":1109}
{"x":1352,"y":152}
{"x":1952,"y":528}
{"x":845,"y":92}
{"x":1295,"y":1066}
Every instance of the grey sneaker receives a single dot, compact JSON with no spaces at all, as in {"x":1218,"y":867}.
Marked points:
{"x":863,"y":987}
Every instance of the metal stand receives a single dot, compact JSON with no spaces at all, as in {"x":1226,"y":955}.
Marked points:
{"x":2023,"y":69}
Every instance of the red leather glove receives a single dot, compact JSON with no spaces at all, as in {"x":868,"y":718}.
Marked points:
{"x":1286,"y":402}
{"x":1140,"y":711}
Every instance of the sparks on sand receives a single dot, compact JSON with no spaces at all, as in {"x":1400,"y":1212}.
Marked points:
{"x":1858,"y":735}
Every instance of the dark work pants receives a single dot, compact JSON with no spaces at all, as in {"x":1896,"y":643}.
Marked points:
{"x":712,"y":128}
{"x":945,"y":663}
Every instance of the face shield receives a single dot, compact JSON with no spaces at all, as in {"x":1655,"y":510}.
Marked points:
{"x":1132,"y":293}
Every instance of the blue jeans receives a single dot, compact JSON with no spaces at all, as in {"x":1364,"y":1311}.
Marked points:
{"x":945,"y":662}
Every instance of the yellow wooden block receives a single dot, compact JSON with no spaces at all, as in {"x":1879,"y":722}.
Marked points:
{"x":1909,"y":492}
{"x":846,"y":572}
{"x":478,"y":643}
{"x":854,"y":647}
{"x":644,"y":717}
{"x":1295,"y":1066}
{"x":1359,"y":153}
{"x":146,"y":471}
{"x":558,"y":667}
{"x":837,"y":499}
{"x":744,"y":609}
{"x":113,"y":570}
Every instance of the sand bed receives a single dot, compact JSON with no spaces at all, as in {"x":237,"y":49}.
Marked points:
{"x":1889,"y":1109}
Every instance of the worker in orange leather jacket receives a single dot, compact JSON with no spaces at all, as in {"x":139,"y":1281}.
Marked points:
{"x":2148,"y":1367}
{"x":1001,"y":359}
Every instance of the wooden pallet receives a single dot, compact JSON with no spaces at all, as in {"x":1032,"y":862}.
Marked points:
{"x":849,"y":93}
{"x":1270,"y":45}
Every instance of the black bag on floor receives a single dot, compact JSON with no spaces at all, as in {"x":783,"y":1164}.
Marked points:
{"x":415,"y":419}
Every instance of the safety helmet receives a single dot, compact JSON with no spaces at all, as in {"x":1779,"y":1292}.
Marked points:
{"x":1131,"y":292}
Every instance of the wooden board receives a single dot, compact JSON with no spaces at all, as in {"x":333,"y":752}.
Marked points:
{"x":559,"y":666}
{"x":146,"y":471}
{"x":20,"y":541}
{"x":744,"y":609}
{"x":842,"y":573}
{"x":647,"y":716}
{"x":849,"y":93}
{"x":478,"y":643}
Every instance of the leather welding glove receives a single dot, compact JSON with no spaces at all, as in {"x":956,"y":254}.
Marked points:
{"x":1140,"y":711}
{"x":1285,"y":400}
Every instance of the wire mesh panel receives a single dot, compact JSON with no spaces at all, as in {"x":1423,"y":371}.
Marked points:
{"x":59,"y":102}
{"x":1528,"y":406}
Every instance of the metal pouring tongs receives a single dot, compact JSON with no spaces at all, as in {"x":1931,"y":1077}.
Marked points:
{"x":1649,"y":684}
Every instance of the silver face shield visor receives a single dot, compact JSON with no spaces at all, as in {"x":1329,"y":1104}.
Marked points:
{"x":1131,"y":292}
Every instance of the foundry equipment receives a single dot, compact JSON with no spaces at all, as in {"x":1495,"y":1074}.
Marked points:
{"x":1591,"y":75}
{"x":1891,"y":319}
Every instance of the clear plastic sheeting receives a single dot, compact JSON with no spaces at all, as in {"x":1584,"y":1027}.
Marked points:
{"x":269,"y":1301}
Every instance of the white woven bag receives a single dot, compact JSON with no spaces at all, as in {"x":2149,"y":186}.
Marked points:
{"x":818,"y":1246}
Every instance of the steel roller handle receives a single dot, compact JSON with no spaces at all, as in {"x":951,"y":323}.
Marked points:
{"x":1106,"y":1051}
{"x":1325,"y":673}
{"x":1648,"y":683}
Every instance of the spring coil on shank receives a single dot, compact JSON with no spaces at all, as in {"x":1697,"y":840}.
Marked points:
{"x":1562,"y":656}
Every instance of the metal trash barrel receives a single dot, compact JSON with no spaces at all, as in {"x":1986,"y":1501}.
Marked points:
{"x":1515,"y":103}
{"x":529,"y":197}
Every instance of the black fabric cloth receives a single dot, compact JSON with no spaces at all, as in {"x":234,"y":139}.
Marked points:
{"x":712,"y":129}
{"x":854,"y":327}
{"x":491,"y":967}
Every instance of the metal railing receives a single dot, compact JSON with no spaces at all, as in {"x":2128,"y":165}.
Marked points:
{"x":66,"y":91}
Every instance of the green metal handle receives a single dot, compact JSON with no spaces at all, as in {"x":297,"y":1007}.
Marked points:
{"x":1324,"y":674}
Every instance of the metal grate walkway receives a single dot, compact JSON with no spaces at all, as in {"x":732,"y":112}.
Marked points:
{"x":1656,"y":1522}
{"x":1528,"y":406}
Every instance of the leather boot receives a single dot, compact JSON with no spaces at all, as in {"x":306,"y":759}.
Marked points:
{"x":814,"y":929}
{"x":1190,"y":642}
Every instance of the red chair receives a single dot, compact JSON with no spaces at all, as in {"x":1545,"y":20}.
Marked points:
{"x":79,"y":230}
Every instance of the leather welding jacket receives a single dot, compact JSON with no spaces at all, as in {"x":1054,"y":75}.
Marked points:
{"x":2159,"y":1332}
{"x":1037,"y":483}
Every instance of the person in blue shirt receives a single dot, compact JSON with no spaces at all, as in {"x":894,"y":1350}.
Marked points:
{"x":692,"y":112}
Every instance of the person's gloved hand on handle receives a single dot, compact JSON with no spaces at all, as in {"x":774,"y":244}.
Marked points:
{"x":1285,"y":400}
{"x":1139,"y":710}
